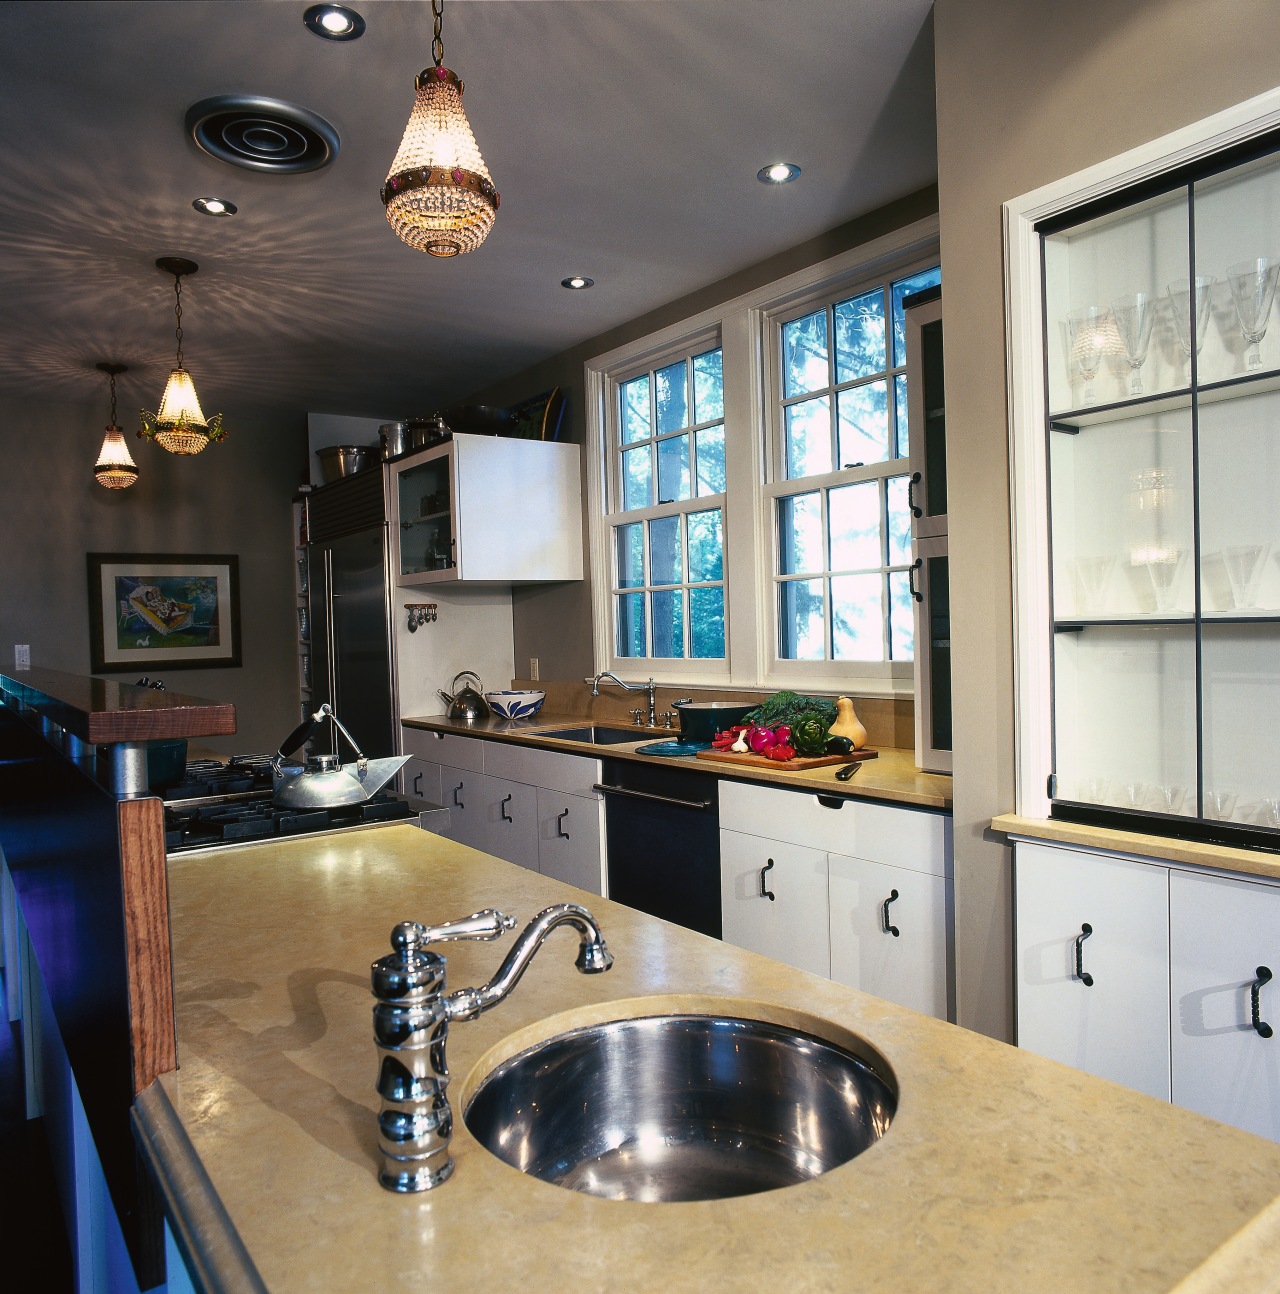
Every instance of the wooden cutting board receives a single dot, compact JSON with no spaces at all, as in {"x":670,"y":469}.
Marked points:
{"x":797,"y":765}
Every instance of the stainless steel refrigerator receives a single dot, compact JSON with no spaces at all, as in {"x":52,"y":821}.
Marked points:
{"x":352,"y":636}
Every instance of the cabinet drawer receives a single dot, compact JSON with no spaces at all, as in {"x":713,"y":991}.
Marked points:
{"x":444,"y":748}
{"x":552,"y":769}
{"x":911,"y":838}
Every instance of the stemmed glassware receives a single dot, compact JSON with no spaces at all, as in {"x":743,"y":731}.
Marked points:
{"x":1253,"y":289}
{"x":1091,"y":334}
{"x":1134,"y":314}
{"x":1244,"y":563}
{"x":1163,"y":566}
{"x":1180,"y":301}
{"x":1095,"y":575}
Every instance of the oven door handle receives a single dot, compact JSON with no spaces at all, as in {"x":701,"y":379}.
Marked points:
{"x":648,"y":795}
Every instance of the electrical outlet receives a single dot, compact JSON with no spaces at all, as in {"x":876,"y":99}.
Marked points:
{"x":533,"y":669}
{"x":22,"y":656}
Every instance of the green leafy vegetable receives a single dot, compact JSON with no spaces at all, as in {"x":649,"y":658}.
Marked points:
{"x":789,"y":707}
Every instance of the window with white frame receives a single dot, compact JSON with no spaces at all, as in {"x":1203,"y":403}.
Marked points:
{"x":841,"y":511}
{"x":750,"y":473}
{"x":666,"y":515}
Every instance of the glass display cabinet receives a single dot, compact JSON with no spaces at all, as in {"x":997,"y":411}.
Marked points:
{"x":1162,"y":373}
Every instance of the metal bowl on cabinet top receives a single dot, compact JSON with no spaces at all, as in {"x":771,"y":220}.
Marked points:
{"x":681,"y":1107}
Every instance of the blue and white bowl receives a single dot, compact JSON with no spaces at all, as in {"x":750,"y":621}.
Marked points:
{"x":515,"y":705}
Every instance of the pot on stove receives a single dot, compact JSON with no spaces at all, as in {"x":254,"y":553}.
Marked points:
{"x":323,"y":782}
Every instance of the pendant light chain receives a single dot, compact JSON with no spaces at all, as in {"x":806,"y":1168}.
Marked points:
{"x":437,"y":45}
{"x":177,"y":313}
{"x":113,"y":398}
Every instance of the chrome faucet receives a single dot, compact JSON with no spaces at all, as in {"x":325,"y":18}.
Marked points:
{"x":411,"y":1026}
{"x":650,"y":688}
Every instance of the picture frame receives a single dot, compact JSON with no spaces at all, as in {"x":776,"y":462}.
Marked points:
{"x":152,"y":611}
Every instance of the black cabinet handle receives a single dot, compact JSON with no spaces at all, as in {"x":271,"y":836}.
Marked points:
{"x":911,"y":579}
{"x":884,"y":915}
{"x":1260,"y":1026}
{"x":502,"y":809}
{"x":560,"y":831}
{"x":417,"y":785}
{"x":912,"y":481}
{"x":766,"y":893}
{"x":1081,"y":974}
{"x":457,"y":801}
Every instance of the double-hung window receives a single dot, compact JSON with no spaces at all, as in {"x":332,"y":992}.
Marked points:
{"x":750,"y":473}
{"x":841,"y":483}
{"x":665,"y":508}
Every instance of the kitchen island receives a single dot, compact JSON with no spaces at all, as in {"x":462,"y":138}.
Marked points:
{"x":1000,"y":1171}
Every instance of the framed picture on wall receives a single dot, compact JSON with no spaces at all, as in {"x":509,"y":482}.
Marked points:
{"x":150,"y":611}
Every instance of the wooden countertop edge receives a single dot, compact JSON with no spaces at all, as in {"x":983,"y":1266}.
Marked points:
{"x":210,"y":1244}
{"x":1162,"y":848}
{"x":932,"y":792}
{"x":104,"y":711}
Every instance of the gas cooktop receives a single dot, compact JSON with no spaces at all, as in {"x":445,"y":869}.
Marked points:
{"x":219,"y":804}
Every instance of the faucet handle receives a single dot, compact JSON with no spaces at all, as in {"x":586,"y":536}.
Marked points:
{"x":488,"y":923}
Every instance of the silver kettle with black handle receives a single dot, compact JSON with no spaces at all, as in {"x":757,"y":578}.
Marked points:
{"x":322,"y":782}
{"x":467,"y":705}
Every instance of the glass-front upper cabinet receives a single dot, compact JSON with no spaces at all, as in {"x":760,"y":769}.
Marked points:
{"x":1162,"y":354}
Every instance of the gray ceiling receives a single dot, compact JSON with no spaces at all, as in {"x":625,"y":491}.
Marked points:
{"x":623,"y":135}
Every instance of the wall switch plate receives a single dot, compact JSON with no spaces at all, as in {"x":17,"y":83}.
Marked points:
{"x":22,"y":655}
{"x":533,"y":669}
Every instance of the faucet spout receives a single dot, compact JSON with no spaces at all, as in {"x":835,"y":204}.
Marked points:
{"x":593,"y":958}
{"x":650,"y":689}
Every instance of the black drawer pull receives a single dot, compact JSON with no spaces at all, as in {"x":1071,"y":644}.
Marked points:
{"x":417,"y":785}
{"x":457,"y":801}
{"x":1081,"y":974}
{"x":766,"y":893}
{"x":884,"y":915}
{"x":1260,"y":1026}
{"x":560,"y":831}
{"x":502,"y":809}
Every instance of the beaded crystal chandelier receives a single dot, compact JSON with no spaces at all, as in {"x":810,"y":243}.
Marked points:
{"x":179,"y":424}
{"x":438,"y":194}
{"x":115,"y":467}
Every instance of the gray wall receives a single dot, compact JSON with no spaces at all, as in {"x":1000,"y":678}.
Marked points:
{"x":1026,"y":94}
{"x":232,"y":498}
{"x":554,"y":623}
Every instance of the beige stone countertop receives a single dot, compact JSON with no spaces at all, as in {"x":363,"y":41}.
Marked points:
{"x":1250,"y":862}
{"x":891,"y":776}
{"x":1001,"y":1171}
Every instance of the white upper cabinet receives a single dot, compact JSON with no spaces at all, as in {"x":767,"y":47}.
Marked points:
{"x":487,"y":509}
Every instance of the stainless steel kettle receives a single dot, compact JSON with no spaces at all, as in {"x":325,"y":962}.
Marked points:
{"x":322,"y":782}
{"x":467,"y":705}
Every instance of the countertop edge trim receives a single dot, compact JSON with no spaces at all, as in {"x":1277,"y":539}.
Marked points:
{"x":1154,"y":849}
{"x":215,"y":1254}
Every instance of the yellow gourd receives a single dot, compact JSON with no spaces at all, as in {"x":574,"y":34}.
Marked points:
{"x":847,"y":724}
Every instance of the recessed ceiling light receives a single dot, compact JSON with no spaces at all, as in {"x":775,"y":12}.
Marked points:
{"x":334,"y":22}
{"x":576,"y":282}
{"x":778,"y":173}
{"x":215,"y":206}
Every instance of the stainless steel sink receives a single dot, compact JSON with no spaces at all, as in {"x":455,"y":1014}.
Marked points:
{"x":680,"y":1107}
{"x":597,"y":736}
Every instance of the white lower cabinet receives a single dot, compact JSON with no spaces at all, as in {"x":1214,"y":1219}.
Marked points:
{"x":889,"y":932}
{"x":535,"y":808}
{"x":831,"y":863}
{"x":1225,"y":938}
{"x":1177,"y":958}
{"x":570,"y":835}
{"x":1093,"y":964}
{"x":773,"y":899}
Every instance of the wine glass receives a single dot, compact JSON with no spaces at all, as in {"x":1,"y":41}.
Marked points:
{"x":1253,"y":289}
{"x":1180,"y":301}
{"x":1163,"y":566}
{"x":1219,"y":804}
{"x":1091,"y":332}
{"x":1134,"y":314}
{"x":1244,"y":563}
{"x":1168,"y":798}
{"x":1094,"y":574}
